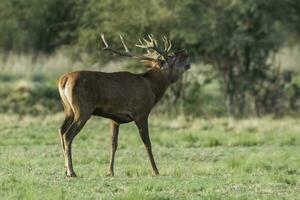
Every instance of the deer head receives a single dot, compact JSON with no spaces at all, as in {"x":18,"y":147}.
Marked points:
{"x":172,"y":64}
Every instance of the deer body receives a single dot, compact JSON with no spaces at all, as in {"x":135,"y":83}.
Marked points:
{"x":121,"y":97}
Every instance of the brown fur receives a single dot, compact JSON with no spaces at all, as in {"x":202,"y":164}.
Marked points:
{"x":120,"y":96}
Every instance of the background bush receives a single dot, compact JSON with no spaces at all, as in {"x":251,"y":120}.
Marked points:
{"x":235,"y":40}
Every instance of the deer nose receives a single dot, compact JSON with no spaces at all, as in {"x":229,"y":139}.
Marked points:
{"x":187,"y":67}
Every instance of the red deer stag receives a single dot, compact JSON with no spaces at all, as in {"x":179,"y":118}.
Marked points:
{"x":121,"y":97}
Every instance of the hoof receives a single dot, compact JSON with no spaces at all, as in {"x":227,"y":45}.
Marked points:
{"x":71,"y":174}
{"x":111,"y":174}
{"x":155,"y":173}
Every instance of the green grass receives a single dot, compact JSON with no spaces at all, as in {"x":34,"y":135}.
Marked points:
{"x":197,"y":159}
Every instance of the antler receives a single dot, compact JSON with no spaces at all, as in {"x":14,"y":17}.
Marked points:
{"x":127,"y":53}
{"x":168,"y":44}
{"x":151,"y":44}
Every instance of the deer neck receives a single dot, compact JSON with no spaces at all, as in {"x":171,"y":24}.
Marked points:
{"x":158,"y":81}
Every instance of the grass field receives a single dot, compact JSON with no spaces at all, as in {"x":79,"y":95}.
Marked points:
{"x":198,"y":159}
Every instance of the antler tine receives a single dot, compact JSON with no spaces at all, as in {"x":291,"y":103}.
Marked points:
{"x":170,"y":45}
{"x":127,"y":53}
{"x":148,"y":44}
{"x":152,"y":44}
{"x":164,"y":38}
{"x":103,"y":39}
{"x":122,"y":40}
{"x":140,"y":41}
{"x":142,"y":44}
{"x":167,"y":43}
{"x":152,"y":40}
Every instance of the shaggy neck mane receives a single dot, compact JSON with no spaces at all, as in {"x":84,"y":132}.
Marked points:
{"x":158,"y":81}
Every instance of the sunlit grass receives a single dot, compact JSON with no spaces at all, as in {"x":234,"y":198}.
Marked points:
{"x":198,"y":159}
{"x":215,"y":158}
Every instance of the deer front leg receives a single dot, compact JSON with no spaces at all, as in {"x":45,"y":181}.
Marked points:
{"x":114,"y":131}
{"x":144,"y":133}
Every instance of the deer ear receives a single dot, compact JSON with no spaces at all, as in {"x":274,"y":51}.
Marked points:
{"x":182,"y":54}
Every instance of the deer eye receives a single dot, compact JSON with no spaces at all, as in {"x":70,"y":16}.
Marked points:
{"x":161,"y":62}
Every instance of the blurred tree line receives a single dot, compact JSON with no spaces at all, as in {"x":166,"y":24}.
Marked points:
{"x":238,"y":38}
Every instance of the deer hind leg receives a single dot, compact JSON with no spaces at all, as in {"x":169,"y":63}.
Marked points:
{"x":66,"y":124}
{"x":74,"y":121}
{"x":68,"y":136}
{"x":114,"y":129}
{"x":144,"y":133}
{"x":69,"y":117}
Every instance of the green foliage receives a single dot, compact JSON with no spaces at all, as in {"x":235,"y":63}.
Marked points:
{"x":205,"y":28}
{"x":35,"y":92}
{"x":37,"y":25}
{"x":237,"y":38}
{"x":36,"y":97}
{"x":134,"y":19}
